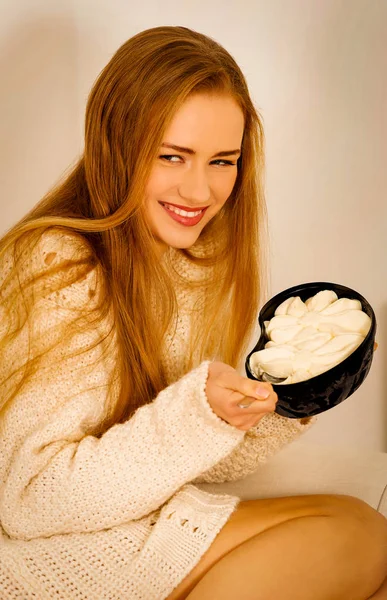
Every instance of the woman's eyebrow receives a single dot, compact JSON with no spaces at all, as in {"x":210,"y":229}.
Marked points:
{"x":190,"y":151}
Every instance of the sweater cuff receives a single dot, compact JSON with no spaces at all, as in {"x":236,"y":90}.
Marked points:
{"x":292,"y":427}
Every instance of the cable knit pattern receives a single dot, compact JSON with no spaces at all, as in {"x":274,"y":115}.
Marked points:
{"x":116,"y":517}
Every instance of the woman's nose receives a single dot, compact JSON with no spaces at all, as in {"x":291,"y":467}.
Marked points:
{"x":195,"y":186}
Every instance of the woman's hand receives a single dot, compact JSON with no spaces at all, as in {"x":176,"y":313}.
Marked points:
{"x":225,"y":389}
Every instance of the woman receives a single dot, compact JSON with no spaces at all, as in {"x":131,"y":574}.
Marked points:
{"x":123,"y":322}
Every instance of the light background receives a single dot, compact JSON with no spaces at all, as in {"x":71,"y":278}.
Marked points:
{"x":317,"y":72}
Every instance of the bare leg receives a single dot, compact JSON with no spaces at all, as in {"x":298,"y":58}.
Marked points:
{"x":381,"y":594}
{"x":312,"y":557}
{"x":353,"y":532}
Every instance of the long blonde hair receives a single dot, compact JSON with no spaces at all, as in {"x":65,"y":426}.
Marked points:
{"x":100,"y":201}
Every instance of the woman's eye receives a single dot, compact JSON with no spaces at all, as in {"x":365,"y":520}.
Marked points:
{"x":167,"y":156}
{"x":226,"y":162}
{"x":219,"y":160}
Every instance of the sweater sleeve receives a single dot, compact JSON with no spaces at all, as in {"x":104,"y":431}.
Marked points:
{"x":58,"y":479}
{"x":261,"y":442}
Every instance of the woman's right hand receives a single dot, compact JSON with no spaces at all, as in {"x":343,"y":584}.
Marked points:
{"x":225,"y":389}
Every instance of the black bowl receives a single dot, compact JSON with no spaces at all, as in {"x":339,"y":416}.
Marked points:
{"x":324,"y":391}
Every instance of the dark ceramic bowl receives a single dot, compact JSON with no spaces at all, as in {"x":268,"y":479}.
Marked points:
{"x":324,"y":391}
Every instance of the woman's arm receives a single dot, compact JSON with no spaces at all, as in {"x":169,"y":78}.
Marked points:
{"x":55,"y":477}
{"x":259,"y":444}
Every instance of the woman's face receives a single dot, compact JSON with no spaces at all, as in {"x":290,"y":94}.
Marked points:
{"x":199,"y":175}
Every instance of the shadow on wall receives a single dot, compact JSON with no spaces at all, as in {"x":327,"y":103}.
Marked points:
{"x":39,"y":129}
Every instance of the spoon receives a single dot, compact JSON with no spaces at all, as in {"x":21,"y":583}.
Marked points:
{"x":263,"y":376}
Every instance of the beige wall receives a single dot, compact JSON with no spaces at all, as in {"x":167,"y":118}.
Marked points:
{"x":317,"y":72}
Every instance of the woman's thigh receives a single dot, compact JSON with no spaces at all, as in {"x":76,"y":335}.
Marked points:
{"x":253,"y":517}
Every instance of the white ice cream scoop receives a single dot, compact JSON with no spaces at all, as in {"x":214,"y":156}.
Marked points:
{"x":320,"y":300}
{"x":293,"y":306}
{"x":341,"y":305}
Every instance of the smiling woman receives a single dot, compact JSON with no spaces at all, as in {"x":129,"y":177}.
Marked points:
{"x":121,"y":318}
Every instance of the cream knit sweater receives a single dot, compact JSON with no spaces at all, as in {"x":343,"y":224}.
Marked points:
{"x":116,"y":517}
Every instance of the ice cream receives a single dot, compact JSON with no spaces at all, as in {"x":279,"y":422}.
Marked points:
{"x":309,"y":338}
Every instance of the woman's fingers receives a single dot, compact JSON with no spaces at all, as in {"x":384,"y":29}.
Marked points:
{"x":226,"y":389}
{"x":244,"y":386}
{"x":262,"y":401}
{"x":252,"y":406}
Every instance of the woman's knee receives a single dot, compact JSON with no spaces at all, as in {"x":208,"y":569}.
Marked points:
{"x":367,"y":518}
{"x":357,"y":530}
{"x":356,"y":537}
{"x":363,"y":533}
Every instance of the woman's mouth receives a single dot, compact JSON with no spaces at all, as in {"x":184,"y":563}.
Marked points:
{"x":182,"y":216}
